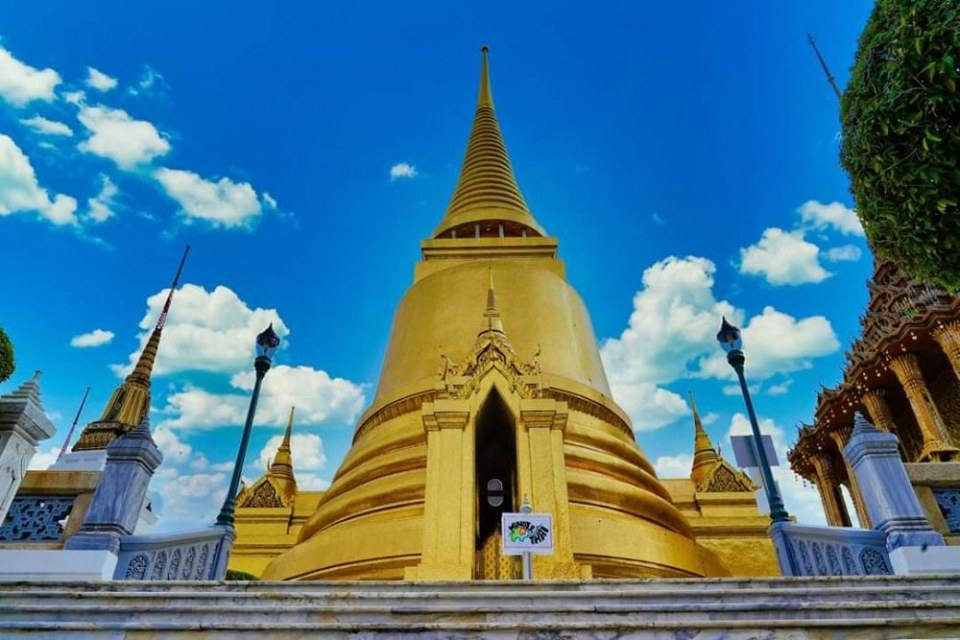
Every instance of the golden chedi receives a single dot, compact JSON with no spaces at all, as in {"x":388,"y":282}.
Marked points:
{"x":492,"y":389}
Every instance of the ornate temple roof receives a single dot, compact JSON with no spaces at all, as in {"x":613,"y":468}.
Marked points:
{"x":278,"y":486}
{"x":901,"y":312}
{"x":487,"y":189}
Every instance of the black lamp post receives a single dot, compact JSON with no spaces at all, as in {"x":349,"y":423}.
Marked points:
{"x":267,"y":343}
{"x":729,"y":339}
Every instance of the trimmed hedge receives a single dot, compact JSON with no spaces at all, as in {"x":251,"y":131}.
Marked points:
{"x":901,"y":136}
{"x":7,"y":361}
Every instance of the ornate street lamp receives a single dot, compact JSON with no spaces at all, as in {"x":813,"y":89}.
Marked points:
{"x":729,"y":339}
{"x":267,"y":343}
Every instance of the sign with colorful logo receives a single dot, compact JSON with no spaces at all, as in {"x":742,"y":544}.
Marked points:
{"x":527,"y":533}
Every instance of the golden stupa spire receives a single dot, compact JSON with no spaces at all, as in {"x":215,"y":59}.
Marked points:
{"x":486,"y":190}
{"x":282,"y":464}
{"x":130,"y":402}
{"x":704,"y":455}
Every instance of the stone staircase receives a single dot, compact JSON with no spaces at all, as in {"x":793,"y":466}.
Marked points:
{"x":732,"y":609}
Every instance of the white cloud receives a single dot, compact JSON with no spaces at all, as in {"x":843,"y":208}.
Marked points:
{"x":780,"y":389}
{"x":709,"y":418}
{"x":150,"y":82}
{"x":674,"y":319}
{"x":269,"y":201}
{"x":21,"y":192}
{"x":174,"y":450}
{"x":845,"y":253}
{"x":783,"y":257}
{"x":307,"y":452}
{"x":800,"y":501}
{"x":187,"y":499}
{"x":818,"y":215}
{"x":223,"y":203}
{"x":118,"y":137}
{"x":671,"y":335}
{"x":734,"y":389}
{"x":205,"y":331}
{"x":100,"y":81}
{"x":46,"y":127}
{"x":678,"y":466}
{"x":649,"y":406}
{"x":100,"y":207}
{"x":402,"y":170}
{"x":42,"y":460}
{"x":94,"y":338}
{"x":76,"y":98}
{"x":20,"y":83}
{"x":776,"y":343}
{"x":319,"y":399}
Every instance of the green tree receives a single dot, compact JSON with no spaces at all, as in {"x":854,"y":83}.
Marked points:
{"x":7,"y":361}
{"x":901,"y":136}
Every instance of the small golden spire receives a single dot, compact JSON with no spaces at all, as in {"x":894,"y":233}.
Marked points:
{"x":283,"y":462}
{"x":492,"y":314}
{"x":704,"y":455}
{"x":487,"y":189}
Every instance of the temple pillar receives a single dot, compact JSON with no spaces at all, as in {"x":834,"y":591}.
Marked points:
{"x":22,"y":424}
{"x":541,"y":468}
{"x":448,"y":518}
{"x":840,"y":438}
{"x":829,"y":487}
{"x":875,"y":401}
{"x":936,"y":443}
{"x":948,"y":337}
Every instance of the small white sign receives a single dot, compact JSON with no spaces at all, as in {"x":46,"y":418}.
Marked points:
{"x":527,"y":533}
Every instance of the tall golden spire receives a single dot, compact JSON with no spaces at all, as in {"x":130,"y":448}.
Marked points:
{"x":704,"y":455}
{"x":130,"y":402}
{"x":487,"y":190}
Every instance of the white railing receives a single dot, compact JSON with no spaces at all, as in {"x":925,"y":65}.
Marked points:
{"x":830,"y":551}
{"x":196,"y":555}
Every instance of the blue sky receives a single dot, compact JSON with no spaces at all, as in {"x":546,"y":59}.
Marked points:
{"x":695,"y":144}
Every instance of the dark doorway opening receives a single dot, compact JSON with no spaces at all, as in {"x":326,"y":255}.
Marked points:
{"x":496,"y":464}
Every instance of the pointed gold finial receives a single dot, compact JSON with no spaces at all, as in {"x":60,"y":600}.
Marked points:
{"x":283,"y":461}
{"x":492,"y":314}
{"x":281,"y":468}
{"x":485,"y":95}
{"x":704,"y":455}
{"x":487,"y":190}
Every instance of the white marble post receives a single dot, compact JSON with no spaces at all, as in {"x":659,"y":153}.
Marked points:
{"x":22,"y":425}
{"x":131,"y":460}
{"x":895,"y":510}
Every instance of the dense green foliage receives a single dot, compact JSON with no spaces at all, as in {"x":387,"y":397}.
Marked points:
{"x":7,"y":361}
{"x":901,"y":135}
{"x":240,"y":575}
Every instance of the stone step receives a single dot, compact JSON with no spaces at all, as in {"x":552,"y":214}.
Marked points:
{"x":949,"y":595}
{"x":733,"y":609}
{"x":698,"y":585}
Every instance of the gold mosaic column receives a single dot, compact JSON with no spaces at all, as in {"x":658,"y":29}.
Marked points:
{"x":840,"y":438}
{"x":936,"y":446}
{"x":448,"y":545}
{"x":829,"y":487}
{"x":948,"y":337}
{"x":542,"y":470}
{"x":875,"y":400}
